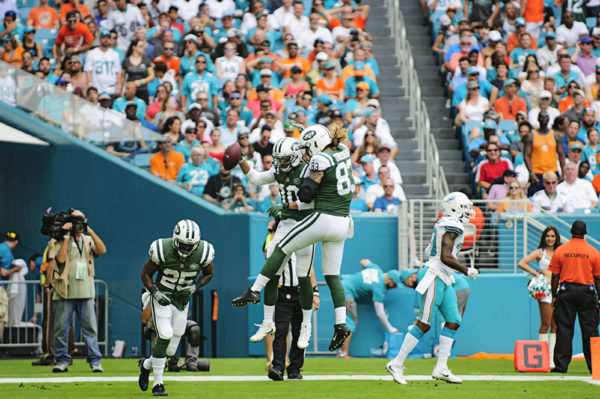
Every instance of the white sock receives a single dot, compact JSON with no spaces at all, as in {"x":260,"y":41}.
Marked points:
{"x":340,"y":315}
{"x":268,"y":312}
{"x":158,"y":367}
{"x":444,"y":351}
{"x":409,"y":343}
{"x":147,"y":363}
{"x":260,"y":283}
{"x":551,"y":345}
{"x":307,"y":316}
{"x":543,"y":337}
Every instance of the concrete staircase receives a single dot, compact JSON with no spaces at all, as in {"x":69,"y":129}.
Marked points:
{"x":395,"y":104}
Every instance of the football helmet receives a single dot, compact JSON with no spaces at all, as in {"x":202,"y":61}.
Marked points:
{"x":458,"y":205}
{"x":186,"y":237}
{"x":314,"y":139}
{"x":286,"y":154}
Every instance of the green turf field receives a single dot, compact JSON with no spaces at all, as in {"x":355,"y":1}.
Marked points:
{"x":556,"y":388}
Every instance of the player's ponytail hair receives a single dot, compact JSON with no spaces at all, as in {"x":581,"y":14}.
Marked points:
{"x":338,"y":134}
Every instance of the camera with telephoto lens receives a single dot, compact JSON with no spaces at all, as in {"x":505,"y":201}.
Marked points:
{"x":52,"y":224}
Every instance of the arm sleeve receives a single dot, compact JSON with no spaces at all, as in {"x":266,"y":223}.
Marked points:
{"x":209,"y":255}
{"x":380,"y":312}
{"x":155,"y":253}
{"x":260,"y":178}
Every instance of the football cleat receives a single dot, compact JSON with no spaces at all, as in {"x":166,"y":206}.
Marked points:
{"x":247,"y":297}
{"x":192,"y":366}
{"x":445,"y":375}
{"x":159,"y":390}
{"x":264,"y":329}
{"x":340,"y":333}
{"x":275,"y":375}
{"x":305,"y":334}
{"x":397,"y":372}
{"x":144,"y":375}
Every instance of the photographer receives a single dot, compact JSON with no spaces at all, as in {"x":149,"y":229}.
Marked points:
{"x":74,"y":291}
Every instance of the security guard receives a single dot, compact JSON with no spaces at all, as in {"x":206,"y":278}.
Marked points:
{"x":575,"y":268}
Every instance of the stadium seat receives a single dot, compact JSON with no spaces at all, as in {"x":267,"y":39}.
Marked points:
{"x":45,"y":37}
{"x":142,"y":160}
{"x":510,"y":129}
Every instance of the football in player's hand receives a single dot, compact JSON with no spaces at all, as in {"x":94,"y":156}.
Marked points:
{"x":232,"y":156}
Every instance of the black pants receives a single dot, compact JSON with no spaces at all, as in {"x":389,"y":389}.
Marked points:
{"x":574,"y":300}
{"x":287,"y":310}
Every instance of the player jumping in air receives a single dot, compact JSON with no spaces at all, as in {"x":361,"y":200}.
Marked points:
{"x":435,"y":288}
{"x":178,"y":261}
{"x":331,"y":185}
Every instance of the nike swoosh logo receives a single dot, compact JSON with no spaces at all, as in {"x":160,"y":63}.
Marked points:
{"x":444,"y":375}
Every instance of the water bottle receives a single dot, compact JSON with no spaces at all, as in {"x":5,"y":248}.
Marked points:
{"x":135,"y":351}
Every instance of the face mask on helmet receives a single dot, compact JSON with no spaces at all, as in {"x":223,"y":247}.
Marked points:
{"x":284,"y":164}
{"x":185,"y":249}
{"x":186,"y":237}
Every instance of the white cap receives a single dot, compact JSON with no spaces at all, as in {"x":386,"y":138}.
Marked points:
{"x":373,"y":102}
{"x":445,"y":20}
{"x":266,"y":72}
{"x":596,"y":32}
{"x":188,"y":123}
{"x":231,"y":32}
{"x":321,"y":56}
{"x":495,"y":36}
{"x":545,"y":94}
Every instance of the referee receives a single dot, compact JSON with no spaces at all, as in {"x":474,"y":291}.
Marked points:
{"x":289,"y":312}
{"x":575,"y":268}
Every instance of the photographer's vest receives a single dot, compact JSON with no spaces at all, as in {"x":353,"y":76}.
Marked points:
{"x":66,"y":284}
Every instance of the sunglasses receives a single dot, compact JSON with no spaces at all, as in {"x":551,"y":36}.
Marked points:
{"x":265,"y":107}
{"x":388,"y":185}
{"x":242,"y":137}
{"x":310,"y":98}
{"x":293,"y":48}
{"x":268,"y":162}
{"x":169,"y":48}
{"x":493,"y":150}
{"x":474,"y":88}
{"x":465,"y":43}
{"x":235,"y":96}
{"x":202,"y":99}
{"x":551,"y":183}
{"x":200,"y":62}
{"x":515,"y":188}
{"x":229,"y":48}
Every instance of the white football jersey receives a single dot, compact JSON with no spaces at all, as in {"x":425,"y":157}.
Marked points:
{"x":446,"y":224}
{"x":105,"y":67}
{"x":125,"y":24}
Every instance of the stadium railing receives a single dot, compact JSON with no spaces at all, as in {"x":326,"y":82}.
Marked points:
{"x":435,"y":176}
{"x":70,"y":113}
{"x":501,"y":239}
{"x":25,"y":338}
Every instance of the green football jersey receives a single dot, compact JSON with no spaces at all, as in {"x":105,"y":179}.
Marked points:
{"x":173,"y":273}
{"x":336,"y":189}
{"x":289,"y":184}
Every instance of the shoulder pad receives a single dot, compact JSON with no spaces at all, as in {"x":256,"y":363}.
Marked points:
{"x":208,"y":254}
{"x":156,"y":253}
{"x":321,"y":162}
{"x":451,"y":224}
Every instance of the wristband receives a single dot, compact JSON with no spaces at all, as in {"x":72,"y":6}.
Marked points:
{"x":315,"y":291}
{"x":66,"y":237}
{"x":153,"y":290}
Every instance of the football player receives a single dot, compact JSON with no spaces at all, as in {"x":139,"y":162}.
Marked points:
{"x":178,"y":260}
{"x":435,"y":288}
{"x":373,"y":283}
{"x":289,"y":172}
{"x":331,"y":185}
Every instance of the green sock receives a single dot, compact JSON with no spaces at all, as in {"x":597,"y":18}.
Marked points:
{"x":273,"y":264}
{"x":271,"y":292}
{"x":160,"y":348}
{"x":306,"y":294}
{"x":337,"y":291}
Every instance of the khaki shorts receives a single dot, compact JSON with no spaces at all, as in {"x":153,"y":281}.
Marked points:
{"x":3,"y":306}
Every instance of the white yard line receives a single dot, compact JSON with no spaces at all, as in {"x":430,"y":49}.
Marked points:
{"x":222,"y":378}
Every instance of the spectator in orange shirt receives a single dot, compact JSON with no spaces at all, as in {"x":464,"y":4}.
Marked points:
{"x":266,"y":79}
{"x":166,"y":162}
{"x":294,"y":59}
{"x":575,"y":99}
{"x":510,"y":104}
{"x":75,"y":37}
{"x":13,"y":53}
{"x":330,"y":84}
{"x":360,"y":14}
{"x":513,"y":40}
{"x":359,"y":55}
{"x":533,"y":12}
{"x":72,"y":5}
{"x":43,"y":16}
{"x":169,"y":57}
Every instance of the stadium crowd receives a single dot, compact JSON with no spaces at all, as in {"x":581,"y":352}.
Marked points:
{"x":203,"y":75}
{"x":522,"y":80}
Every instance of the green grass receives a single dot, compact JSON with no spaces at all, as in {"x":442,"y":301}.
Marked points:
{"x":297,"y":389}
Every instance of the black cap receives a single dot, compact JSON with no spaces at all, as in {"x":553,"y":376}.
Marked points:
{"x":509,"y":173}
{"x":11,"y":236}
{"x":579,"y":228}
{"x":334,"y":113}
{"x":262,"y":87}
{"x":71,"y":14}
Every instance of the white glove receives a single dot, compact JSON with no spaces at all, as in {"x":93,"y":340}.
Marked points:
{"x":393,"y":330}
{"x":191,"y":289}
{"x":472,"y":273}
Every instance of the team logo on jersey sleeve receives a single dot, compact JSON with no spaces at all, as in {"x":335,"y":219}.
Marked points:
{"x":296,"y":181}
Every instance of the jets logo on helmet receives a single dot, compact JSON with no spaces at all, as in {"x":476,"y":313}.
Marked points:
{"x":458,"y":205}
{"x":186,"y":237}
{"x":286,"y":154}
{"x":314,"y":139}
